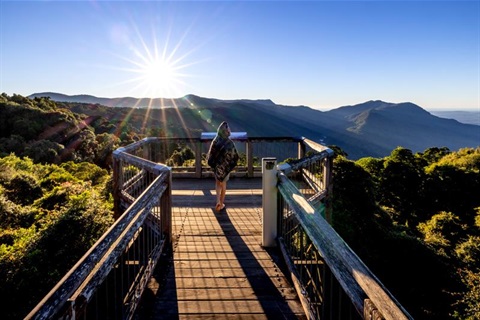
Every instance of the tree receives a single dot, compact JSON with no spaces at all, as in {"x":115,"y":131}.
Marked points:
{"x":452,"y":189}
{"x":85,"y":145}
{"x":467,"y":159}
{"x":469,"y":303}
{"x":468,"y":252}
{"x":434,"y":154}
{"x":23,"y":189}
{"x":442,"y":232}
{"x":338,"y":152}
{"x":179,"y":157}
{"x":353,"y":200}
{"x":44,"y":151}
{"x":155,"y":132}
{"x":374,"y":167}
{"x":14,"y":143}
{"x":106,"y":144}
{"x":402,"y":185}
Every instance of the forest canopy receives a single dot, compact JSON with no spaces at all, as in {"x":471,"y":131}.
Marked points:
{"x":415,"y":221}
{"x":50,"y":215}
{"x":39,"y":129}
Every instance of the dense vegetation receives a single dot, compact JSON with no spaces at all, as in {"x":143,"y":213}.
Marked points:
{"x":415,"y":221}
{"x":414,"y":218}
{"x":54,"y":200}
{"x":39,"y":129}
{"x":50,"y":215}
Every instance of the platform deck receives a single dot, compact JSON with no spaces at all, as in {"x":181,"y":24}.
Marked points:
{"x":219,"y":268}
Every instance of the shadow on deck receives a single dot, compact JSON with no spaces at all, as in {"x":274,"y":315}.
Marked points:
{"x":219,"y":268}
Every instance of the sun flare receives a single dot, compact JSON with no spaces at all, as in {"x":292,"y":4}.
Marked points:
{"x":156,"y":72}
{"x":154,"y":64}
{"x":158,"y":75}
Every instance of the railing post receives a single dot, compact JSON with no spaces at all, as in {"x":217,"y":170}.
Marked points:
{"x":269,"y":202}
{"x":301,"y":149}
{"x":166,"y":209}
{"x":327,"y":185}
{"x":198,"y":159}
{"x":117,"y":184}
{"x":249,"y":150}
{"x":146,"y":151}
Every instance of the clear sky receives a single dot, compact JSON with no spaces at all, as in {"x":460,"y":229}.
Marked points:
{"x":322,"y":54}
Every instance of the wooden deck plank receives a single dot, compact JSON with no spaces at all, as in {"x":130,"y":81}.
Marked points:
{"x":224,"y":293}
{"x":223,"y":307}
{"x":231,"y":272}
{"x":218,"y":240}
{"x":219,"y":268}
{"x":260,"y":283}
{"x":206,"y":247}
{"x":225,"y":264}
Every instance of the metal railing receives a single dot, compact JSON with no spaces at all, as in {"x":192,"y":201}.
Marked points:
{"x":187,"y":156}
{"x":108,"y":281}
{"x":331,"y":281}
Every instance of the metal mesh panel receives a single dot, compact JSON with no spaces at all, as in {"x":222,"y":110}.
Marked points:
{"x":325,"y":297}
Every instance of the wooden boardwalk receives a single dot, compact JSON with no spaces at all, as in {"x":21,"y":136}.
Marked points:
{"x":219,"y":268}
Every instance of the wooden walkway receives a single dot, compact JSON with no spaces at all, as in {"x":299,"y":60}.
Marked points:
{"x":219,"y":268}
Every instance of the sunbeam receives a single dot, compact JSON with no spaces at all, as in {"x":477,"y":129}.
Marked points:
{"x":155,"y":65}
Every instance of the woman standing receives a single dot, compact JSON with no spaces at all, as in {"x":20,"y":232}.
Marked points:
{"x":222,"y":158}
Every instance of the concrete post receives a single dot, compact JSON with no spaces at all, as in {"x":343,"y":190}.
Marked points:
{"x":269,"y":202}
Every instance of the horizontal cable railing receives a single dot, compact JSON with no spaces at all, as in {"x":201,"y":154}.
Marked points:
{"x":187,"y":156}
{"x":108,"y":281}
{"x":311,"y":174}
{"x":332,"y":282}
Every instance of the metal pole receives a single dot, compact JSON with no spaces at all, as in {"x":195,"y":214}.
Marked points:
{"x":269,"y":202}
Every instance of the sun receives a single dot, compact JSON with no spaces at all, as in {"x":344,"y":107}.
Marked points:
{"x":155,"y":72}
{"x":152,"y":65}
{"x":158,"y":75}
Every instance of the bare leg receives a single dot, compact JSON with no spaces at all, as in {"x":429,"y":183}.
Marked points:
{"x":223,"y":192}
{"x":220,"y":188}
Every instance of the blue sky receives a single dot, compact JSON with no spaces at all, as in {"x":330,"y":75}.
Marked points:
{"x":322,"y":54}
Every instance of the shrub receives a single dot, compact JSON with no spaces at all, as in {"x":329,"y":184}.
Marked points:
{"x":23,"y":189}
{"x":442,"y":231}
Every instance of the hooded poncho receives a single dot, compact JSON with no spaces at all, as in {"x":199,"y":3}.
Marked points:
{"x":222,"y":156}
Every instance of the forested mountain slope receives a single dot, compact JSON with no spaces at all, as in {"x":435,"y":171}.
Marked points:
{"x":372,"y":128}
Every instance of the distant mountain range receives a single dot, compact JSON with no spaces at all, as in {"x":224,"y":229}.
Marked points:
{"x":463,"y":116}
{"x":129,"y":102}
{"x":372,"y":128}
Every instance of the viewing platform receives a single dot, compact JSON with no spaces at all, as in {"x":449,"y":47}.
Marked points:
{"x":270,"y":254}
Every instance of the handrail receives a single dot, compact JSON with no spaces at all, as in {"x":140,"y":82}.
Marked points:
{"x":358,"y":282}
{"x":75,"y":289}
{"x":137,"y":214}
